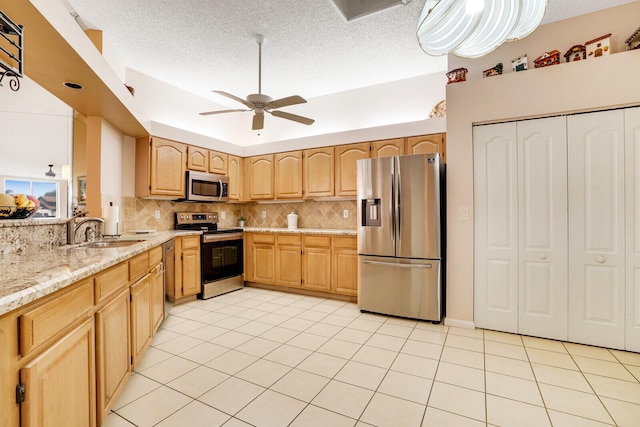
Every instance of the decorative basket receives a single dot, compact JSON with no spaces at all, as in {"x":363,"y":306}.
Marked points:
{"x":14,"y":212}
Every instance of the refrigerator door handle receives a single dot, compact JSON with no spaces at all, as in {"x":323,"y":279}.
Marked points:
{"x":392,"y":213}
{"x":393,"y":264}
{"x":397,"y":207}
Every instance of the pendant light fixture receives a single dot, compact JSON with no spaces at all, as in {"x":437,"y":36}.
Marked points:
{"x":50,"y":172}
{"x":472,"y":28}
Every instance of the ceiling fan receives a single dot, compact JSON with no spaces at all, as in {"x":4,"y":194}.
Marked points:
{"x":260,"y":103}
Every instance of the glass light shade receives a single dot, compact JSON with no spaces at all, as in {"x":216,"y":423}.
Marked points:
{"x":446,"y":27}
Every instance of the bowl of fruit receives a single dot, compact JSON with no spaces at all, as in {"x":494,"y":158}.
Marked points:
{"x":18,"y":206}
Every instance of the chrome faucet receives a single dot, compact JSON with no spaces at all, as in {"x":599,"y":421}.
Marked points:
{"x":72,"y":226}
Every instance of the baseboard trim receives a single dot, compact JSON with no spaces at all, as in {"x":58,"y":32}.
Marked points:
{"x":465,"y":324}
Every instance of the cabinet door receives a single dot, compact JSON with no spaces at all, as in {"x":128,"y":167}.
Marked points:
{"x":632,"y":169}
{"x":388,"y":147}
{"x":346,"y":171}
{"x":157,"y":296}
{"x":141,"y":323}
{"x":316,"y":263}
{"x":288,"y":175}
{"x":167,"y":167}
{"x":427,"y":144}
{"x":113,"y":351}
{"x":318,"y":172}
{"x":235,"y":177}
{"x":217,"y":163}
{"x":345,"y":266}
{"x":496,"y":227}
{"x":542,"y":212}
{"x":263,"y":262}
{"x":60,"y":383}
{"x":197,"y":159}
{"x":260,"y":177}
{"x":190,"y":272}
{"x":596,"y":228}
{"x":288,"y":261}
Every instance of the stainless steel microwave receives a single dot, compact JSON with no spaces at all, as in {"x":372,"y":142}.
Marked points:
{"x":206,"y":187}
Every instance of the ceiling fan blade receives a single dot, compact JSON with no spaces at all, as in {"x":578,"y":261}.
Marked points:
{"x":295,"y":118}
{"x":258,"y":121}
{"x":208,"y":113}
{"x":235,"y":98}
{"x":285,"y":102}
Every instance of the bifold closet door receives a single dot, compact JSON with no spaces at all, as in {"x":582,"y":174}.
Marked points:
{"x":542,"y":214}
{"x":496,"y":227}
{"x":632,"y":172}
{"x":597,"y":228}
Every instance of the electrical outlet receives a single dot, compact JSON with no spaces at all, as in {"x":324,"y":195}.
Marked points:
{"x":156,"y":214}
{"x":264,"y":214}
{"x":222,"y":215}
{"x":345,"y":213}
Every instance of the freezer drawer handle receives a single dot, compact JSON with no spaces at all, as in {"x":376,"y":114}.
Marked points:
{"x":393,"y":264}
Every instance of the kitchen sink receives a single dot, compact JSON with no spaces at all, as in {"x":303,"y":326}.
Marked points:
{"x":113,"y":244}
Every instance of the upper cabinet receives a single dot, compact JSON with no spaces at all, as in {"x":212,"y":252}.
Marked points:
{"x":260,"y":173}
{"x":426,"y":144}
{"x":318,"y":172}
{"x":218,"y":162}
{"x":235,"y":177}
{"x":160,"y":168}
{"x":346,"y":157}
{"x":197,"y":159}
{"x":388,"y":147}
{"x":288,"y":175}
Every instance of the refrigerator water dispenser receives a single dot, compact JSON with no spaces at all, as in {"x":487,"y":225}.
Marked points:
{"x":371,"y":212}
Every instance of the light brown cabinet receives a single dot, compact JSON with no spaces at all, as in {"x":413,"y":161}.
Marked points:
{"x":288,"y":175}
{"x":160,"y":168}
{"x":235,"y":173}
{"x":345,"y":168}
{"x":187,"y":280}
{"x":261,"y":258}
{"x":388,"y":147}
{"x":260,"y":173}
{"x":288,"y":260}
{"x":345,"y":265}
{"x":218,"y":162}
{"x":316,"y":263}
{"x":141,"y":323}
{"x":60,"y":382}
{"x":318,"y":173}
{"x":157,"y":296}
{"x":426,"y":144}
{"x":197,"y":159}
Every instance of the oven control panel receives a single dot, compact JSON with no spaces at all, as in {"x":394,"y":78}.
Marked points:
{"x":183,"y":218}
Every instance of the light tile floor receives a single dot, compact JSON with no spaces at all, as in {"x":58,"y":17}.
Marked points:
{"x":265,"y":358}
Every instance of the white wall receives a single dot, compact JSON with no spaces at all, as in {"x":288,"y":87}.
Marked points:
{"x":601,"y":83}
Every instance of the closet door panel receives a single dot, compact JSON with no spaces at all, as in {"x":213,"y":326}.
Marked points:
{"x":496,"y":227}
{"x":632,"y":169}
{"x":542,"y":212}
{"x":597,"y":228}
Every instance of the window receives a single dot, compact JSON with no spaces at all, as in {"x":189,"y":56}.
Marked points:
{"x":45,"y":191}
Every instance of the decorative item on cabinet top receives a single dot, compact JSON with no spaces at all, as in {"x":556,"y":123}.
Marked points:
{"x":576,"y":53}
{"x":495,"y":71}
{"x":457,"y":75}
{"x":634,"y":40}
{"x":547,"y":58}
{"x":598,"y":47}
{"x":519,"y":63}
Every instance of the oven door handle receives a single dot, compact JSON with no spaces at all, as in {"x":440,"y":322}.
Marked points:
{"x":208,"y":238}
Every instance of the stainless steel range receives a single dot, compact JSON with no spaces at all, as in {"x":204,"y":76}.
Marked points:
{"x":221,"y":252}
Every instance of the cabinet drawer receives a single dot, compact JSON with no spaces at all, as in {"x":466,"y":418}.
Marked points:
{"x":345,"y":242}
{"x":138,"y":266}
{"x":264,"y":238}
{"x":318,"y":241}
{"x":110,"y":281}
{"x":155,"y":256}
{"x":192,"y":242}
{"x":42,"y":323}
{"x":289,"y":240}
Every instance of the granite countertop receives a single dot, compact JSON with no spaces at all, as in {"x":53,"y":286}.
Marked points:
{"x":330,"y":231}
{"x":29,"y":276}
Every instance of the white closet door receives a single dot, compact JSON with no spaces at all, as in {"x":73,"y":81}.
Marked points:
{"x":632,"y":169}
{"x":542,"y":211}
{"x":496,"y":227}
{"x":596,"y":228}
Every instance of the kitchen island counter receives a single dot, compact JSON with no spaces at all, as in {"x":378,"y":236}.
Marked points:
{"x":31,"y":275}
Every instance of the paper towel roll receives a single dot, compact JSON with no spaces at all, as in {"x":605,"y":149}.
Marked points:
{"x":111,"y":219}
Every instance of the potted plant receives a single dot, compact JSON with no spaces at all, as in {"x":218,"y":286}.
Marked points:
{"x":241,"y":221}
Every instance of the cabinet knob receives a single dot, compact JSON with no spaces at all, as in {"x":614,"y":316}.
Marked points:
{"x":600,"y":259}
{"x":542,"y":256}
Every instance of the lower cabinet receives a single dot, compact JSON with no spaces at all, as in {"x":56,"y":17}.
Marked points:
{"x":187,"y":280}
{"x":141,"y":323}
{"x":305,"y":261}
{"x":157,"y":296}
{"x":61,"y":383}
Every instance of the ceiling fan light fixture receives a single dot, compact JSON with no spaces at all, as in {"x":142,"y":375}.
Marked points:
{"x":465,"y":29}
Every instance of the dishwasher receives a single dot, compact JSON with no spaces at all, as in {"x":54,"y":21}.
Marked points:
{"x":169,"y":262}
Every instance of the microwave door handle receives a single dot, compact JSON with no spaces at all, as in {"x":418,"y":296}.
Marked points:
{"x":220,"y":190}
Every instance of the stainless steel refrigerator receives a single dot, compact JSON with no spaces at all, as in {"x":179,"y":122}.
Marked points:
{"x":400,"y":236}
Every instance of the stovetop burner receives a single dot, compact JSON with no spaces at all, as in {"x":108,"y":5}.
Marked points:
{"x":207,"y":222}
